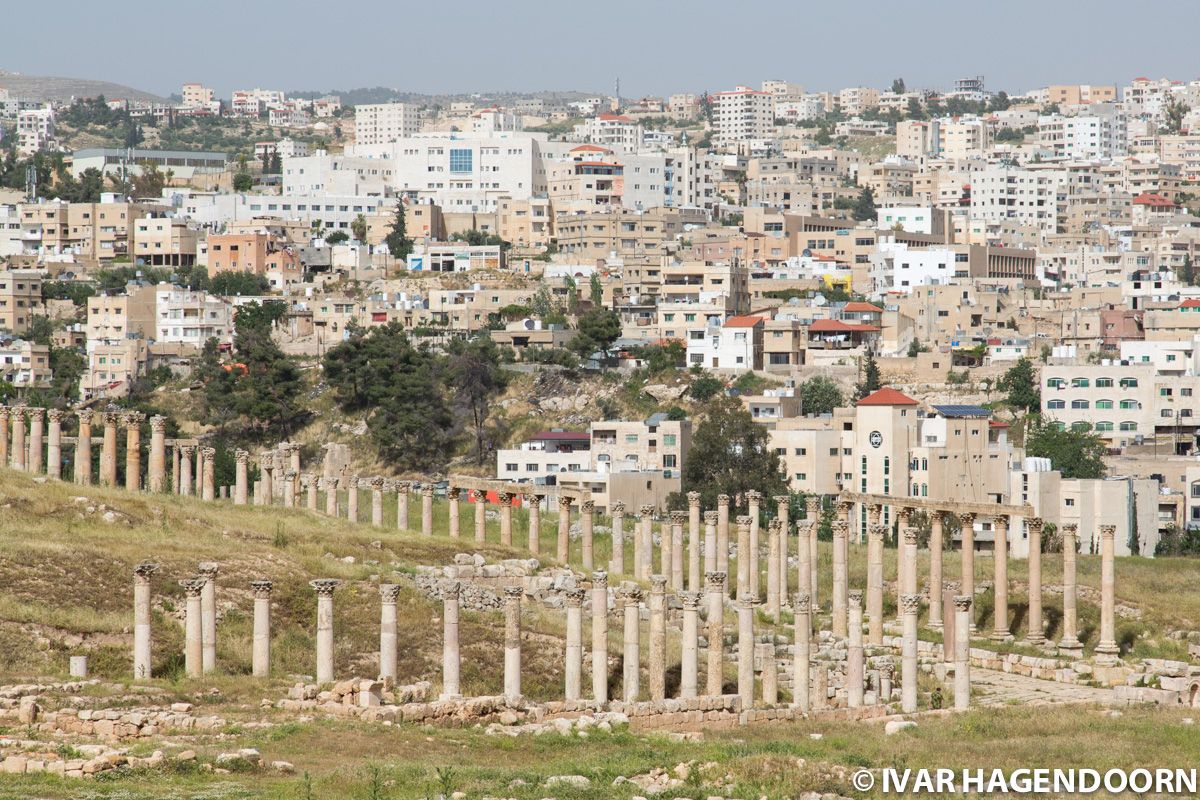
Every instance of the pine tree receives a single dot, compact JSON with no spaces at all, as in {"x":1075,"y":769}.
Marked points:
{"x":869,"y":379}
{"x":397,"y":241}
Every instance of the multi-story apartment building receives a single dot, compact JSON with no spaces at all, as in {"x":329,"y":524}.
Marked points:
{"x":384,"y":123}
{"x":24,"y":364}
{"x":742,"y":115}
{"x":35,"y":130}
{"x":1080,"y":94}
{"x":1026,"y":196}
{"x":589,"y":236}
{"x":857,"y":99}
{"x":112,"y":366}
{"x":196,"y":95}
{"x":1091,"y":136}
{"x":20,"y":299}
{"x":544,"y":456}
{"x":164,"y":242}
{"x":113,"y":317}
{"x":1119,"y":400}
{"x":734,"y":345}
{"x":186,"y":317}
{"x":257,"y":252}
{"x":653,"y":445}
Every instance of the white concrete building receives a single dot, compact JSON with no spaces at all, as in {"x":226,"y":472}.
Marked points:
{"x":188,"y":317}
{"x":383,"y":123}
{"x":895,"y":267}
{"x":742,"y":115}
{"x":1091,"y":136}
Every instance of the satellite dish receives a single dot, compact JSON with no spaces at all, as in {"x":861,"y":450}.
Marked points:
{"x":794,"y":301}
{"x":818,"y":299}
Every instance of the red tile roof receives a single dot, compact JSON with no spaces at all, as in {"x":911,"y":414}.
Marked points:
{"x":1155,"y":200}
{"x":590,"y":147}
{"x":860,"y":306}
{"x":887,"y":396}
{"x":837,"y":326}
{"x":743,"y":322}
{"x":1190,"y":303}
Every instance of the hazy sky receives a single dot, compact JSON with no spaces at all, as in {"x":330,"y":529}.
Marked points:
{"x":654,"y":46}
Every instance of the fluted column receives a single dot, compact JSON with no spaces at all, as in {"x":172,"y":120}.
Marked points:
{"x":534,"y":503}
{"x":689,"y":652}
{"x":37,"y":421}
{"x":208,"y":480}
{"x":451,"y":662}
{"x":722,"y":533}
{"x":241,"y":480}
{"x":616,"y":561}
{"x":754,"y":508}
{"x":677,"y":552}
{"x":812,"y":511}
{"x":261,"y":656}
{"x":54,"y":446}
{"x":331,"y":496}
{"x":192,"y":628}
{"x":18,"y":451}
{"x":910,"y":604}
{"x":693,"y":542}
{"x":1070,"y":644}
{"x":480,"y":517}
{"x":207,"y":570}
{"x":967,"y":533}
{"x":710,"y":541}
{"x":802,"y":652}
{"x":936,"y":543}
{"x":1000,"y":565}
{"x":781,"y":531}
{"x":574,"y":643}
{"x":599,"y":602}
{"x":1035,"y":629}
{"x":324,"y":588}
{"x":352,"y":482}
{"x":631,"y":598}
{"x":512,"y":643}
{"x":908,"y":541}
{"x":403,"y":490}
{"x":875,"y":534}
{"x":854,"y":652}
{"x":745,"y":615}
{"x":452,"y":511}
{"x":133,"y":450}
{"x":308,"y":482}
{"x":156,"y":477}
{"x":962,"y":651}
{"x":108,"y":452}
{"x":587,"y":519}
{"x":643,"y":555}
{"x":841,"y":533}
{"x":658,"y":637}
{"x":743,"y":557}
{"x":1107,"y":650}
{"x":714,"y":584}
{"x":388,"y":592}
{"x":141,"y":620}
{"x":506,"y":508}
{"x":427,"y":509}
{"x":803,"y":570}
{"x":562,"y":551}
{"x":773,"y":603}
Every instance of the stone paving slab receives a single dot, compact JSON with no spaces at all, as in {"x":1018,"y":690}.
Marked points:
{"x":992,"y":688}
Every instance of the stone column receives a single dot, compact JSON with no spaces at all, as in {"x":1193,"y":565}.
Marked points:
{"x":643,"y":556}
{"x":37,"y":444}
{"x":910,"y":604}
{"x":745,"y":614}
{"x":141,"y":620}
{"x":480,"y":517}
{"x":1107,"y":650}
{"x":723,"y":533}
{"x":108,"y":453}
{"x":352,"y":504}
{"x":754,"y":507}
{"x":841,"y":534}
{"x":803,"y":570}
{"x":133,"y":450}
{"x":616,"y":561}
{"x":1000,"y":558}
{"x":1035,"y":629}
{"x":156,"y":475}
{"x":658,"y":637}
{"x":967,"y":534}
{"x":710,"y":541}
{"x":402,"y":493}
{"x":782,"y":530}
{"x":427,"y":509}
{"x":962,"y":651}
{"x":743,"y":557}
{"x":241,"y":481}
{"x":887,"y":669}
{"x":630,"y":597}
{"x":812,"y":511}
{"x":185,"y":470}
{"x":506,"y":501}
{"x":175,"y":467}
{"x":5,"y":413}
{"x":324,"y":588}
{"x":18,"y":451}
{"x":512,"y":643}
{"x":1070,"y":644}
{"x":714,"y":584}
{"x":693,"y":542}
{"x":770,"y":674}
{"x":261,"y":656}
{"x":875,"y":534}
{"x":774,"y":601}
{"x":452,"y":513}
{"x":331,"y":496}
{"x":192,"y":649}
{"x":677,"y":552}
{"x":289,"y":494}
{"x":451,"y":663}
{"x":209,"y":481}
{"x":83,"y":448}
{"x":387,"y":630}
{"x":562,"y":550}
{"x":534,"y":503}
{"x":54,"y":447}
{"x":587,"y":518}
{"x":599,"y":599}
{"x":801,"y":652}
{"x":854,"y":652}
{"x":574,"y":656}
{"x":936,"y":543}
{"x":264,"y":494}
{"x":207,"y":570}
{"x":908,"y":536}
{"x":820,"y":686}
{"x":376,"y":485}
{"x":688,"y":657}
{"x":309,"y":482}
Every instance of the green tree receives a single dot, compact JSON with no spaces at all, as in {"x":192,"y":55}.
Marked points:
{"x":898,"y":86}
{"x":397,"y":241}
{"x":475,"y":377}
{"x":820,"y":395}
{"x":243,"y":182}
{"x":337,"y":237}
{"x":1173,"y":114}
{"x":359,"y":228}
{"x":1076,"y":452}
{"x":234,"y":284}
{"x":1021,"y":384}
{"x":598,"y":329}
{"x":705,"y":387}
{"x":596,"y":289}
{"x":864,"y":206}
{"x":869,"y":377}
{"x":731,"y":454}
{"x":1187,"y":271}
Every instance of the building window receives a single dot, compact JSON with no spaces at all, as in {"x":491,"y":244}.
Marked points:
{"x":1129,"y":426}
{"x":460,"y":160}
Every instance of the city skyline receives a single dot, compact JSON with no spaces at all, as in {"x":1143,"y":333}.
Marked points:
{"x":655,"y":53}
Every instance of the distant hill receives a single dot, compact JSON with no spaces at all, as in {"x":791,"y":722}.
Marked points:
{"x":382,"y":94}
{"x":46,"y":87}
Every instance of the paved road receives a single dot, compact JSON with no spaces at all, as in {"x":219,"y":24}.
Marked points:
{"x":991,"y":688}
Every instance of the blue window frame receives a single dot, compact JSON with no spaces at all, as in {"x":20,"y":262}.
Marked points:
{"x":460,"y":160}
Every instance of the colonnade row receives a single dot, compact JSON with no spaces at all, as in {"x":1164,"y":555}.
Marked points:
{"x":809,"y":678}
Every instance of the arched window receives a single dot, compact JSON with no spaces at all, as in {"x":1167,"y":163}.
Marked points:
{"x":1104,"y":426}
{"x":1079,"y":426}
{"x":1055,"y":383}
{"x":1104,"y":383}
{"x":1054,"y":405}
{"x":1079,"y":404}
{"x":924,"y":490}
{"x":1130,"y":405}
{"x":1101,"y":404}
{"x":1059,"y":426}
{"x":1080,"y":383}
{"x":1129,"y":426}
{"x":1129,"y":383}
{"x":914,"y":491}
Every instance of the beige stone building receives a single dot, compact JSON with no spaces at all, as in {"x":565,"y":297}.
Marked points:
{"x":20,"y":299}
